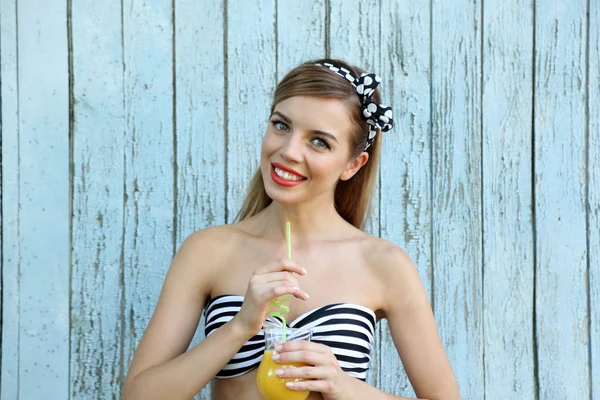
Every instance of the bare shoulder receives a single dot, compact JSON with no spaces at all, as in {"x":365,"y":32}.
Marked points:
{"x":206,"y":249}
{"x":386,"y":258}
{"x":394,"y":268}
{"x":179,"y":307}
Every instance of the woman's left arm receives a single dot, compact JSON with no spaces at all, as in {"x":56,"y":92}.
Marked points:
{"x":413,"y":330}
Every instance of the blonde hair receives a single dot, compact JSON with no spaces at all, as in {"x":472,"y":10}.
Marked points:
{"x":352,"y":198}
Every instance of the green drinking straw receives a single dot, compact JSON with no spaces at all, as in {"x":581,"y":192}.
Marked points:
{"x":280,"y":304}
{"x":288,"y":239}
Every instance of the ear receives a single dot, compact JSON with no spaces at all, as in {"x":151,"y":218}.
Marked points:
{"x":354,"y":166}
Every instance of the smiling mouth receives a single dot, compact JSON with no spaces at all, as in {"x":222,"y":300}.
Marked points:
{"x":287,"y":176}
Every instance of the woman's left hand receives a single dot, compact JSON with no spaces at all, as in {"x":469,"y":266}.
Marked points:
{"x":322,"y":371}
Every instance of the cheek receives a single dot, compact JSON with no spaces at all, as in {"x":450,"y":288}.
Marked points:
{"x":328,"y":170}
{"x":270,"y":142}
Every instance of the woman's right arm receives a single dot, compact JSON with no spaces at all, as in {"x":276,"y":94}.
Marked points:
{"x":161,"y":367}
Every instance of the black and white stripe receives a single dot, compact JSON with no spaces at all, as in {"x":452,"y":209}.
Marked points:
{"x":348,"y":329}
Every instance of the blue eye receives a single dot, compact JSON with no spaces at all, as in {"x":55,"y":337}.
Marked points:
{"x":321,"y":143}
{"x":281,"y":126}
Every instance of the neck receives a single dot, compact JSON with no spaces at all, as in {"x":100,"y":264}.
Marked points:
{"x":313,"y":221}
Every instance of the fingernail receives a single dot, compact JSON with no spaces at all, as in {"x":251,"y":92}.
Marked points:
{"x":275,"y":356}
{"x":304,"y":270}
{"x":289,"y":385}
{"x":278,"y":348}
{"x":307,"y":296}
{"x":279,"y":372}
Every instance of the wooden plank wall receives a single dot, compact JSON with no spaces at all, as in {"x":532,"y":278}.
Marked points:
{"x":127,"y":125}
{"x":507,"y":197}
{"x":559,"y":154}
{"x":593,"y":176}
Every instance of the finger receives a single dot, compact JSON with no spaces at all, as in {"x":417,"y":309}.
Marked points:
{"x":280,"y":276}
{"x":305,"y":345}
{"x":301,"y":356}
{"x":273,"y":290}
{"x":308,"y":372}
{"x":323,"y":386}
{"x":282,"y":264}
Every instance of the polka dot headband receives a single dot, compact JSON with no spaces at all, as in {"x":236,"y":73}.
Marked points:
{"x":375,"y":115}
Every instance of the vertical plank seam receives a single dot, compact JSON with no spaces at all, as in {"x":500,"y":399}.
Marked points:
{"x":1,"y":222}
{"x":536,"y":371}
{"x":174,"y":116}
{"x":431,"y":172}
{"x":380,"y":329}
{"x":18,"y":259}
{"x":327,"y":28}
{"x":276,"y":35}
{"x":71,"y":172}
{"x":587,"y":196}
{"x":225,"y":111}
{"x":124,"y":215}
{"x":381,"y":137}
{"x":482,"y":208}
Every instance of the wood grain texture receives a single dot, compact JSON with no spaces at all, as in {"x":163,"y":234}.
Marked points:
{"x":354,"y":38}
{"x":560,"y":179}
{"x":170,"y":103}
{"x":405,"y":164}
{"x":200,"y":113}
{"x":507,"y":199}
{"x":301,"y":33}
{"x":149,"y":162}
{"x":43,"y":73}
{"x":251,"y":74}
{"x":200,"y":122}
{"x":9,"y":248}
{"x":593,"y":181}
{"x":457,"y":188}
{"x":97,"y":220}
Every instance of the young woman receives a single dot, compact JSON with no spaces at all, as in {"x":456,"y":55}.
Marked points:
{"x":318,"y":166}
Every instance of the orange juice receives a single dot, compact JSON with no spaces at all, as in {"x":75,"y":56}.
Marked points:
{"x":272,"y":387}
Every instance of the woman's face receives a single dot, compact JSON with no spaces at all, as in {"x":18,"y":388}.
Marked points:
{"x":306,"y":149}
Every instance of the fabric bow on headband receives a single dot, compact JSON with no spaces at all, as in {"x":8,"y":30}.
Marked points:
{"x":376,"y":115}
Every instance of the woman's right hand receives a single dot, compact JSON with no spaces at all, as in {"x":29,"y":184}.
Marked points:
{"x":267,"y":284}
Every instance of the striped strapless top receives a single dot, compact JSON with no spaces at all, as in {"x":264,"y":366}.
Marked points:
{"x":348,"y":329}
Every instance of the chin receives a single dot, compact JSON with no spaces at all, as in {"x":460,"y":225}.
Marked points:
{"x":281,"y":196}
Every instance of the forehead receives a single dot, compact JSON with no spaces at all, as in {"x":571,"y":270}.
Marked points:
{"x":325,"y":114}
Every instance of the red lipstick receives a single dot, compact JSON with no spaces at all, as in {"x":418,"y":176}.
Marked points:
{"x":291,"y":171}
{"x":282,"y":182}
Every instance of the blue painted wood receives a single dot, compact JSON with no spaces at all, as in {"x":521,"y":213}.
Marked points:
{"x":128,"y":166}
{"x":97,"y":220}
{"x":457,"y":188}
{"x":149,"y":237}
{"x":200,"y":113}
{"x":354,"y":37}
{"x":507,"y":200}
{"x":43,"y":89}
{"x":560,"y":219}
{"x":405,"y":164}
{"x":251,"y":52}
{"x":9,"y":248}
{"x":593,"y":181}
{"x":301,"y":33}
{"x":200,"y":122}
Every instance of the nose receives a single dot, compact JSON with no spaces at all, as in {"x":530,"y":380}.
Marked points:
{"x":292,"y":149}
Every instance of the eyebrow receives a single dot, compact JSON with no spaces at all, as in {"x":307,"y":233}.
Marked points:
{"x":318,"y":132}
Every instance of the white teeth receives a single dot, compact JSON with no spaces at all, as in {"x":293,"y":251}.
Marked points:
{"x":286,"y":175}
